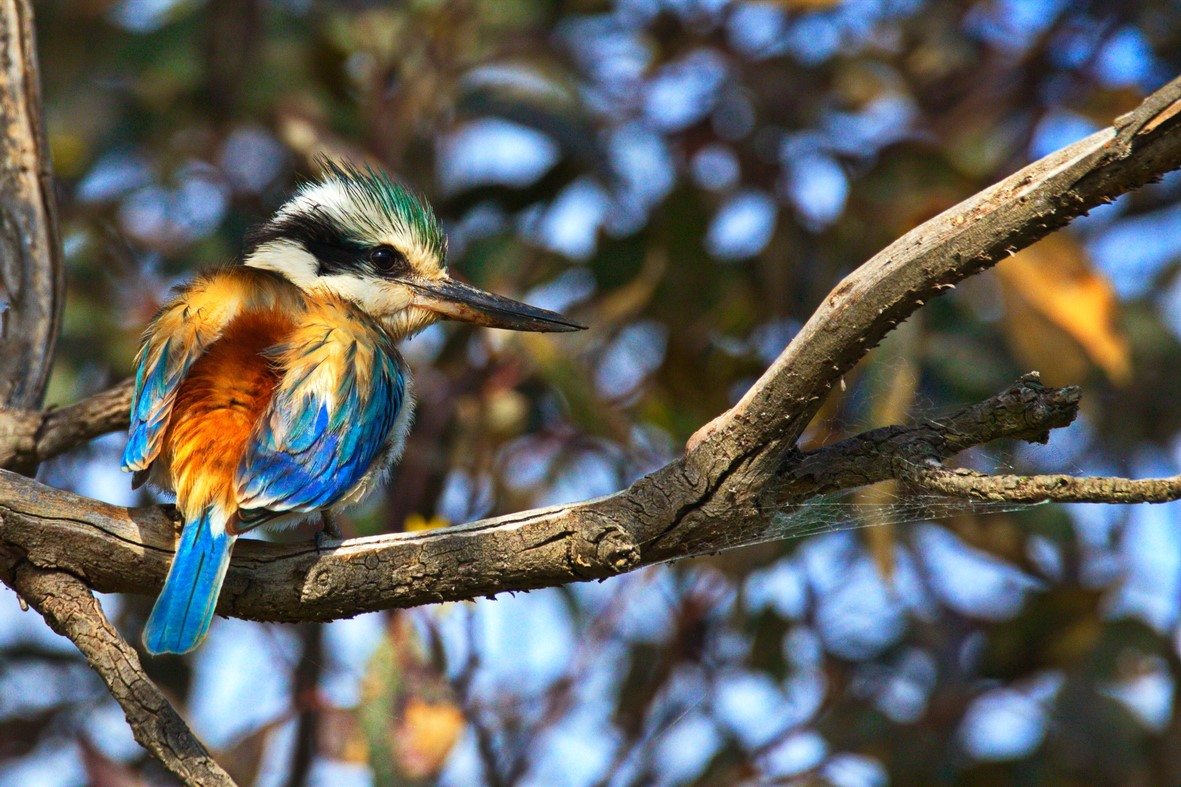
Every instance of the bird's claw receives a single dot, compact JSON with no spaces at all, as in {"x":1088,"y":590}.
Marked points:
{"x":329,"y":535}
{"x":325,"y":541}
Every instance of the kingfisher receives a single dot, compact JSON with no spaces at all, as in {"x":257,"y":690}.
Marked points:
{"x":272,"y":390}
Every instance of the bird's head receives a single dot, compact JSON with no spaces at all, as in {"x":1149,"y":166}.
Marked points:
{"x":368,"y":240}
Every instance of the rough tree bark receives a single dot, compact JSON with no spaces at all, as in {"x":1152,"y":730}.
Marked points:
{"x":31,"y":287}
{"x":71,"y":610}
{"x":736,"y":477}
{"x":31,"y":279}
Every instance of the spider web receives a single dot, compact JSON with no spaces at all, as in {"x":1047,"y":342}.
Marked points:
{"x":883,"y":503}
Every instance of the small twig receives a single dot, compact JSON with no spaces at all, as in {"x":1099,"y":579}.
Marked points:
{"x":1044,"y":488}
{"x":71,"y":610}
{"x":29,"y":437}
{"x":1026,"y":410}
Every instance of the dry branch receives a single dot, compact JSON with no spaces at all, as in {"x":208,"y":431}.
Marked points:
{"x":714,"y":496}
{"x":1025,"y":411}
{"x":71,"y":610}
{"x":30,"y":437}
{"x":122,"y":550}
{"x":961,"y":482}
{"x":30,"y":253}
{"x":31,"y":281}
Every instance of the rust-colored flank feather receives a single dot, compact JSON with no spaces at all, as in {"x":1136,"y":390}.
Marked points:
{"x":222,"y":398}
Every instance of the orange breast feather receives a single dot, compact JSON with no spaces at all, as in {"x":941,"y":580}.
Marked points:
{"x":217,"y":405}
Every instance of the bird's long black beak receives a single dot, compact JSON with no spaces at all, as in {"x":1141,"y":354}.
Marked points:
{"x":458,"y":301}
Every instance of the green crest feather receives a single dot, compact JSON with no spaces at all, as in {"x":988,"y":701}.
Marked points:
{"x":388,"y":201}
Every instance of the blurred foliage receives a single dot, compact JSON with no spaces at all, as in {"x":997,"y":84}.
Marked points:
{"x":689,"y":178}
{"x":1061,"y":315}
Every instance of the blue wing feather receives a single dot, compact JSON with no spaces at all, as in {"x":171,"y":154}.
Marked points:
{"x":179,"y":335}
{"x":309,"y":451}
{"x":157,"y":378}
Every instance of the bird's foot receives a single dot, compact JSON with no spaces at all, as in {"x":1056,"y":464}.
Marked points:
{"x":325,"y":542}
{"x":331,"y":525}
{"x":329,"y":535}
{"x":173,"y":513}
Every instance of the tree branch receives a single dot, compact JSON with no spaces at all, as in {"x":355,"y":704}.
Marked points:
{"x":1026,"y":410}
{"x":122,"y":550}
{"x":71,"y":610}
{"x":961,"y":482}
{"x":31,"y":278}
{"x":31,"y":283}
{"x":29,"y":437}
{"x":715,"y":496}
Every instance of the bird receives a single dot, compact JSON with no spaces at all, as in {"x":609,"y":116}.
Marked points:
{"x":271,"y":390}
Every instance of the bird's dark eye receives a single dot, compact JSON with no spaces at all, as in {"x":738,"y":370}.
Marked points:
{"x":387,"y":260}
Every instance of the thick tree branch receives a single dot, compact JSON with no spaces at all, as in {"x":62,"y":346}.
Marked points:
{"x":71,"y":610}
{"x":716,"y":496}
{"x":31,"y":287}
{"x":120,"y":550}
{"x":30,"y":255}
{"x":29,"y":437}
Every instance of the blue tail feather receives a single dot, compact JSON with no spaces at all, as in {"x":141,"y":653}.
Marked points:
{"x":184,"y":609}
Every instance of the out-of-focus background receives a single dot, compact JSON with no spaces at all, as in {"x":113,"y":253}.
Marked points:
{"x":689,"y":178}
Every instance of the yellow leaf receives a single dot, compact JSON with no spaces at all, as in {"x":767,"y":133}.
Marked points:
{"x":1061,"y":314}
{"x":416,"y":522}
{"x":426,"y":735}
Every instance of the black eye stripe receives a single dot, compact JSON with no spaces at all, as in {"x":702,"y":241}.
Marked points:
{"x":334,"y":253}
{"x":332,"y":258}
